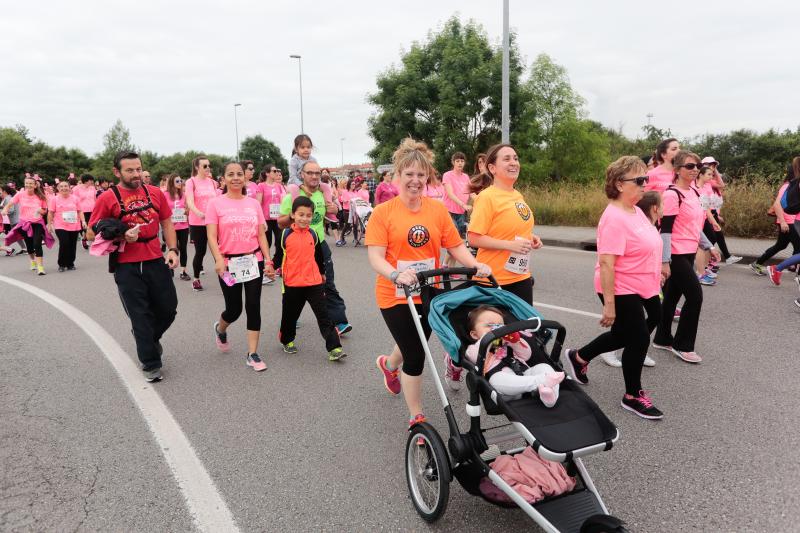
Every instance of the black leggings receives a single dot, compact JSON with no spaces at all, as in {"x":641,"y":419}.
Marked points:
{"x":183,"y":241}
{"x":401,"y":326}
{"x":783,"y":241}
{"x":274,"y":233}
{"x":67,"y":243}
{"x":720,"y":237}
{"x":294,"y":299}
{"x":34,"y":242}
{"x":200,"y":238}
{"x":522,"y":288}
{"x":681,"y":282}
{"x":252,"y":300}
{"x":630,"y":331}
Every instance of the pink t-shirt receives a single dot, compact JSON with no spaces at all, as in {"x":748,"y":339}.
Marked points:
{"x":688,"y":220}
{"x":460,"y":185}
{"x":344,"y":198}
{"x":660,"y":179}
{"x":637,"y":244}
{"x":435,"y":191}
{"x":271,"y":195}
{"x":179,"y":210}
{"x":239,"y":223}
{"x":86,"y":195}
{"x":69,"y":206}
{"x":252,"y":189}
{"x":361,"y":193}
{"x":202,"y":191}
{"x":789,"y":219}
{"x":29,"y":205}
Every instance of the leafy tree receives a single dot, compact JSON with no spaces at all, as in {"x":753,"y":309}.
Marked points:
{"x":15,"y":149}
{"x":446,"y":93}
{"x":116,"y":139}
{"x":181,"y":164}
{"x":262,"y":151}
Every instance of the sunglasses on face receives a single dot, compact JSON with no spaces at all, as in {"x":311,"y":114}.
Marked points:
{"x":205,"y":166}
{"x":250,"y":169}
{"x":178,"y":181}
{"x":276,"y":171}
{"x":640,"y":180}
{"x":691,"y":166}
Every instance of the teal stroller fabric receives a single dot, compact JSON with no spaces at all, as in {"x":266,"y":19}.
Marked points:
{"x":444,"y":304}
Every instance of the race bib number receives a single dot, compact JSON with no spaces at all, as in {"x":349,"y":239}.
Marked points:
{"x":274,"y":211}
{"x":518,"y":263}
{"x":243,"y":268}
{"x":420,"y":265}
{"x":179,"y":215}
{"x":70,"y":217}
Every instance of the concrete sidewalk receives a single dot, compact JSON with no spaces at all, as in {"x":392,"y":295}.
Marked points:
{"x":585,"y":238}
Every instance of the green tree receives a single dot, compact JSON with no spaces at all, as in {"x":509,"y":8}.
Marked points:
{"x":15,"y":149}
{"x":446,"y":93}
{"x":181,"y":164}
{"x":116,"y":139}
{"x":262,"y":151}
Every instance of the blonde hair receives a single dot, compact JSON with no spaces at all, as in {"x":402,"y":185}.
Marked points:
{"x":411,"y":152}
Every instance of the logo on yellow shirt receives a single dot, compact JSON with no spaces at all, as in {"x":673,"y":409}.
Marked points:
{"x":418,"y":236}
{"x":523,"y":210}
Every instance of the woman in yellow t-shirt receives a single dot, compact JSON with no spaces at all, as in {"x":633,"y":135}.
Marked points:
{"x":405,"y":235}
{"x":501,"y":227}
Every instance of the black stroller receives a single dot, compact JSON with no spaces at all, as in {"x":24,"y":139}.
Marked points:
{"x":574,"y":428}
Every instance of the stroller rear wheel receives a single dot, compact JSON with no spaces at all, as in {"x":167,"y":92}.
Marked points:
{"x":427,"y":471}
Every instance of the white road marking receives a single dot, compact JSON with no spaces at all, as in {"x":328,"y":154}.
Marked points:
{"x":567,"y":310}
{"x":205,"y":503}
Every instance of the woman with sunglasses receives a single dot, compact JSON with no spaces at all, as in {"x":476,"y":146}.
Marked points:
{"x":252,"y":190}
{"x":627,"y":279}
{"x":200,"y":188}
{"x":682,"y":234}
{"x":663,"y":174}
{"x":272,"y":191}
{"x":175,"y":196}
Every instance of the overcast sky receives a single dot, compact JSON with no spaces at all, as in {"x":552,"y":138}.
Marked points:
{"x":173,"y":70}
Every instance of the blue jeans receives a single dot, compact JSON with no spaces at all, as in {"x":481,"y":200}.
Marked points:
{"x":460,"y":220}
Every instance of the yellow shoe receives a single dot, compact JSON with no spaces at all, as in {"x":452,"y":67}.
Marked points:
{"x":40,"y":270}
{"x":33,"y":265}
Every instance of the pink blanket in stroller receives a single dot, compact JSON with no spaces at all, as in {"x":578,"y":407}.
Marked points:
{"x":531,"y":476}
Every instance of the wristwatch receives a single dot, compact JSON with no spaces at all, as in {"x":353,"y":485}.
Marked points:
{"x":393,"y":276}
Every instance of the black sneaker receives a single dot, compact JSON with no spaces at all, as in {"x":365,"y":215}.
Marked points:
{"x":643,"y":406}
{"x":185,"y":277}
{"x":71,"y":267}
{"x":62,"y":269}
{"x":576,"y":369}
{"x":152,"y":375}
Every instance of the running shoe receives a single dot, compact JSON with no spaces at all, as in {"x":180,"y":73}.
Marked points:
{"x":152,"y":375}
{"x":758,"y":269}
{"x":33,"y":265}
{"x":689,"y":357}
{"x":62,"y":269}
{"x":643,"y":406}
{"x":290,"y":347}
{"x":774,"y":275}
{"x":419,"y":418}
{"x":254,"y":361}
{"x":196,"y":285}
{"x":343,"y":328}
{"x":576,"y":370}
{"x":336,"y":354}
{"x":732,"y":260}
{"x":677,"y":315}
{"x":221,"y":339}
{"x":705,"y":280}
{"x":710,"y":273}
{"x":612,"y":358}
{"x":649,"y":361}
{"x":71,"y":267}
{"x":452,"y":374}
{"x":266,"y":280}
{"x":40,"y":270}
{"x":185,"y":277}
{"x":338,"y":244}
{"x":391,"y":379}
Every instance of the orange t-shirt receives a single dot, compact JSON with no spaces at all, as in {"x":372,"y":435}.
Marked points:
{"x":412,"y":240}
{"x":502,"y":215}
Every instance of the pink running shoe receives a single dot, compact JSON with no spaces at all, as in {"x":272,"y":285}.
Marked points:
{"x":689,"y":357}
{"x":452,"y":374}
{"x":196,"y":285}
{"x":221,"y":339}
{"x":677,"y":315}
{"x":254,"y":361}
{"x":774,"y":275}
{"x":391,"y":379}
{"x":419,"y":418}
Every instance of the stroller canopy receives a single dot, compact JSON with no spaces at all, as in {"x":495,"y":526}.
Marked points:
{"x":444,"y":304}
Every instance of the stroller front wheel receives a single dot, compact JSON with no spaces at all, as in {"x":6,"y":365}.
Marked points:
{"x":427,"y":471}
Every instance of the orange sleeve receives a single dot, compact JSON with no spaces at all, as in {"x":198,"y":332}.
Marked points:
{"x":377,"y":229}
{"x":481,"y":217}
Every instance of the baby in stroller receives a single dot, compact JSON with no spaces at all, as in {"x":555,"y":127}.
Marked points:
{"x":510,"y":374}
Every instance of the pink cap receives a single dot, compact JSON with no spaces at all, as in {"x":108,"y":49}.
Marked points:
{"x":709,"y":160}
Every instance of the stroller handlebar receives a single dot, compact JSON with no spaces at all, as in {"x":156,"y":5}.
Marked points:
{"x":447,"y":276}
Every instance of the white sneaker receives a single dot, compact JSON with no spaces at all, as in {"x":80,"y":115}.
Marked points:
{"x":732,"y":260}
{"x":648,"y":361}
{"x":613,"y":358}
{"x":267,"y":281}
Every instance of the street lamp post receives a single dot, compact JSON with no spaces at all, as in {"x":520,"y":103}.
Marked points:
{"x":300,"y":72}
{"x":236,"y":122}
{"x":505,"y":90}
{"x":341,"y":144}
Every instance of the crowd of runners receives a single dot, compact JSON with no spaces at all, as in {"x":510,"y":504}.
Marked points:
{"x":659,"y":240}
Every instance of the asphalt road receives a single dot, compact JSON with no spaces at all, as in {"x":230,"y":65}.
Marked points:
{"x":310,"y":445}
